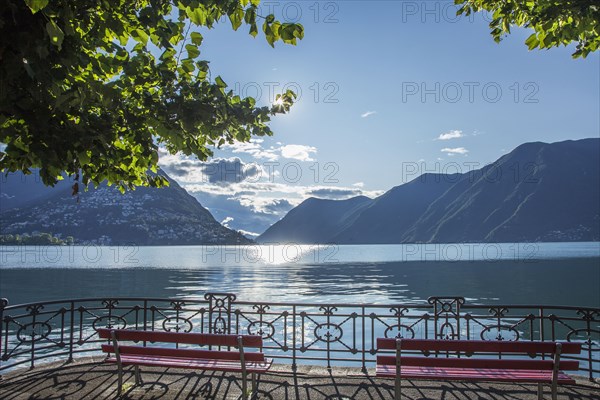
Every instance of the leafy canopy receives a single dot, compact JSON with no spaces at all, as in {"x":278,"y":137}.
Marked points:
{"x":96,"y":86}
{"x":555,"y":22}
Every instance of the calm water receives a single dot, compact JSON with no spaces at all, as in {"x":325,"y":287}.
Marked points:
{"x":541,"y":273}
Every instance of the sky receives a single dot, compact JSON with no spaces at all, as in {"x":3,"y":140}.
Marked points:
{"x":387,"y":90}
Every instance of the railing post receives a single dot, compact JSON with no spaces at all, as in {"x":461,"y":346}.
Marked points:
{"x":364,"y":362}
{"x":542,"y":330}
{"x":71,"y":331}
{"x":33,"y":313}
{"x":294,"y":338}
{"x":3,"y":305}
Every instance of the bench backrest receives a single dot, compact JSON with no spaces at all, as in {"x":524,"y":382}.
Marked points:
{"x":479,"y":347}
{"x":203,"y":339}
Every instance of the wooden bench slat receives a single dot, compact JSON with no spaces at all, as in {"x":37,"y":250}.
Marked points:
{"x":504,"y":375}
{"x":205,"y":364}
{"x":182,"y":353}
{"x":479,"y":346}
{"x":204,"y":339}
{"x":166,"y":357}
{"x":546,"y":365}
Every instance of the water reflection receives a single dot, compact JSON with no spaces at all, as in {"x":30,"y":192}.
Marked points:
{"x":558,"y":282}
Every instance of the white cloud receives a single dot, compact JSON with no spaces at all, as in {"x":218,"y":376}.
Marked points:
{"x":454,"y":150}
{"x":455,"y":134}
{"x":254,"y":148}
{"x":215,"y":170}
{"x":263,"y":196}
{"x":367,"y":114}
{"x":226,"y":221}
{"x":251,"y":235}
{"x":298,"y":152}
{"x":359,"y":184}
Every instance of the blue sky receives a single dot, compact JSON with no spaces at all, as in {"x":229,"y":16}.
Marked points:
{"x":388,"y":90}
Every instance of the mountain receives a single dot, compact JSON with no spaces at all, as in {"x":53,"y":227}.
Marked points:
{"x":145,"y":216}
{"x":315,"y":220}
{"x":400,"y":206}
{"x":537,"y":192}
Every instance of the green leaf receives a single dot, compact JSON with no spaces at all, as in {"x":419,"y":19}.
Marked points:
{"x":140,"y":36}
{"x":250,"y":15}
{"x":220,"y":82}
{"x":188,"y":65}
{"x":167,"y":55}
{"x":56,"y":34}
{"x":197,"y":15}
{"x":532,"y":41}
{"x":192,"y":50}
{"x":196,"y":38}
{"x":236,"y":18}
{"x":36,"y":5}
{"x":83,"y":157}
{"x":253,"y":30}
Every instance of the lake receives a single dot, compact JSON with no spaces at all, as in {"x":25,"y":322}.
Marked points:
{"x":520,"y":273}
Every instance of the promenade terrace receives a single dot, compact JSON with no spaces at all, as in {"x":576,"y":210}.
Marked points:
{"x":321,"y":351}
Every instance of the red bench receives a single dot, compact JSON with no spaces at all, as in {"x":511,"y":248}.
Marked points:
{"x":452,"y":360}
{"x":213,"y":360}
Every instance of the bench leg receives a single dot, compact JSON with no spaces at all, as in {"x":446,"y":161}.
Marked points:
{"x":554,"y":390}
{"x":254,"y":390}
{"x":120,"y":380}
{"x":244,"y":386}
{"x":138,"y":378}
{"x":540,"y":391}
{"x":397,"y":389}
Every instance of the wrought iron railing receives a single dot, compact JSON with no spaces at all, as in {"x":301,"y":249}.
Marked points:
{"x":325,"y":334}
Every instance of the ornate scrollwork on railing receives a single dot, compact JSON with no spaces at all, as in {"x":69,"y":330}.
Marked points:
{"x":499,"y":329}
{"x":325,"y":333}
{"x":177,"y":324}
{"x":219,"y":311}
{"x":399,"y":311}
{"x":328,"y":332}
{"x":261,"y":309}
{"x":264,"y":329}
{"x":444,"y":306}
{"x":586,"y":339}
{"x":588,"y":315}
{"x":399,"y":331}
{"x":446,"y":314}
{"x":500,"y":332}
{"x":261,"y":319}
{"x":498,"y":312}
{"x":34,"y":309}
{"x":584,"y":335}
{"x":33,"y":332}
{"x":328,"y":310}
{"x":178,"y":305}
{"x":109,"y":321}
{"x":110,"y":304}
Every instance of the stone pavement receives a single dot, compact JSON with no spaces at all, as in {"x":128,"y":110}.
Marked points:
{"x":89,"y":378}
